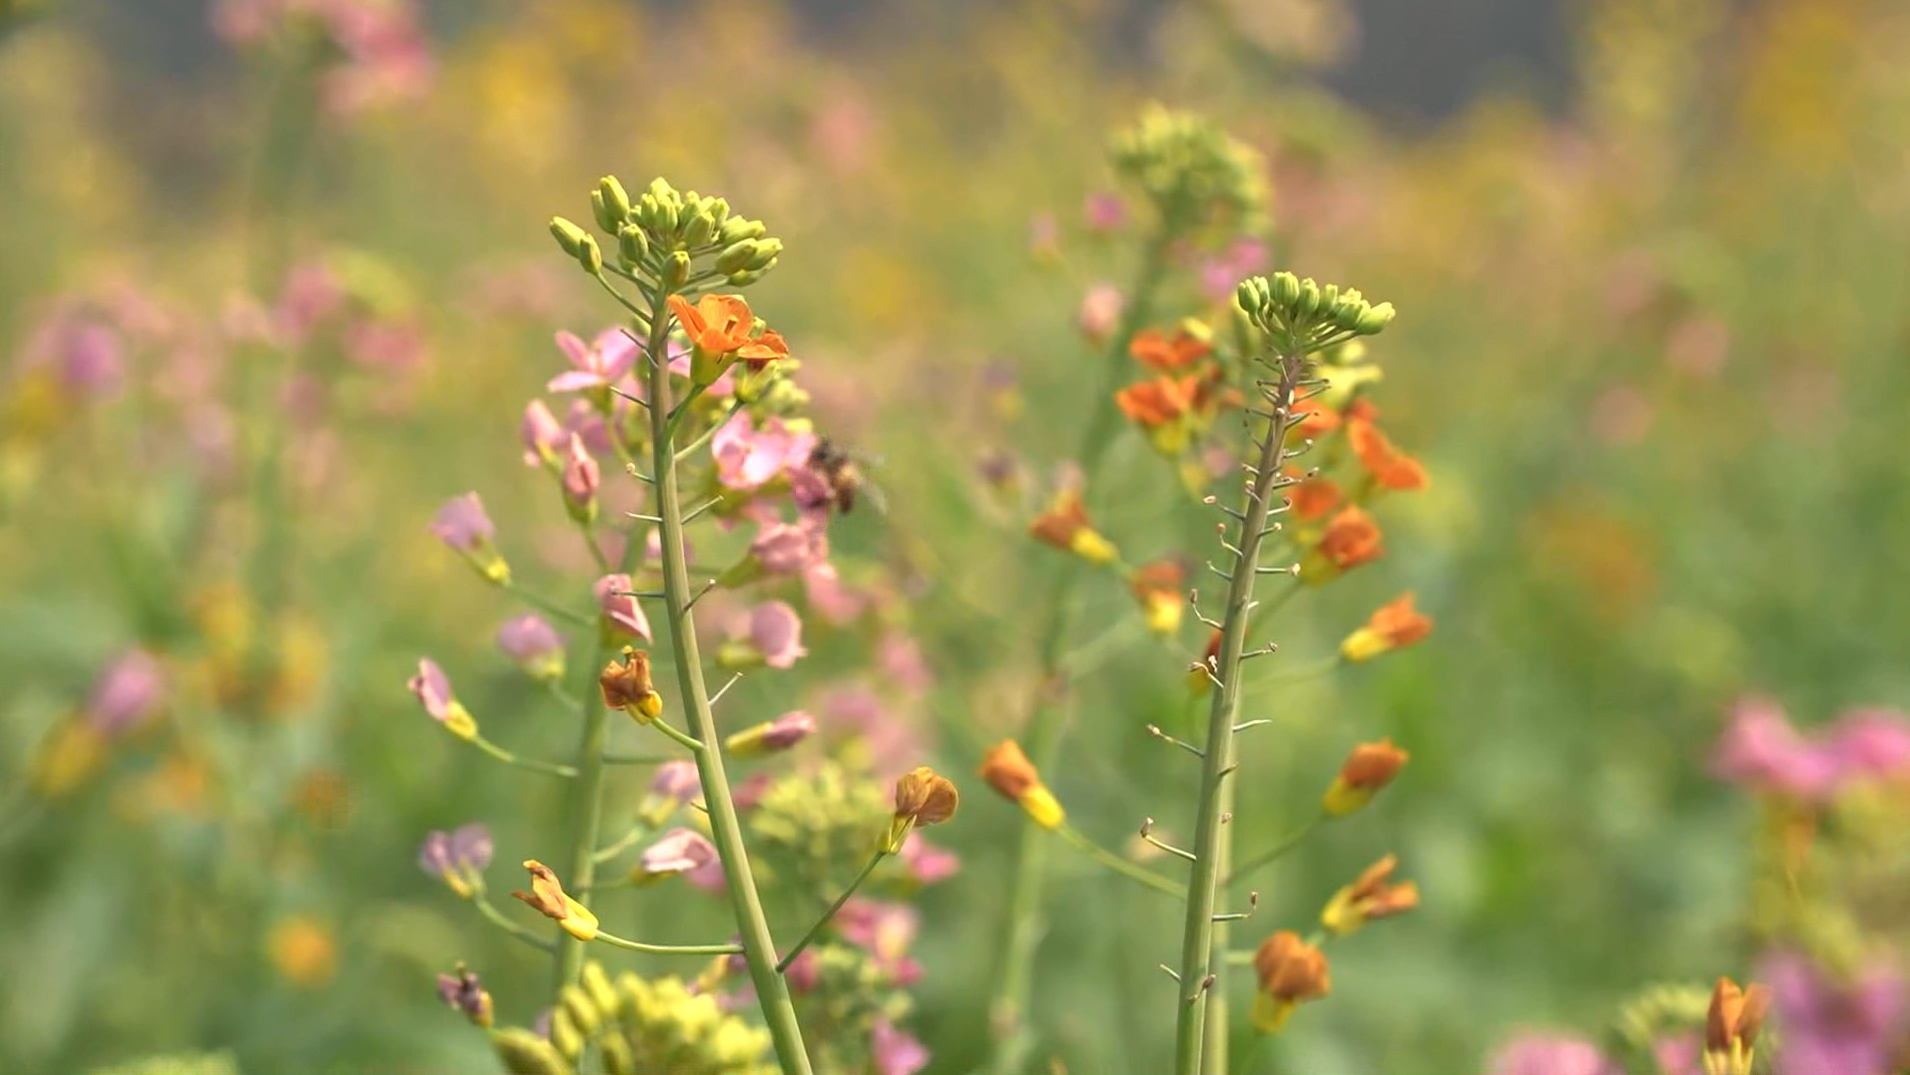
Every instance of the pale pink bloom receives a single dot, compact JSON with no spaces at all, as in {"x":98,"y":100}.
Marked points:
{"x":446,"y":854}
{"x":857,"y":711}
{"x":790,"y":548}
{"x":598,"y":364}
{"x":1760,"y":748}
{"x":1679,"y":1054}
{"x":1105,"y":211}
{"x":621,"y":612}
{"x":126,"y":694}
{"x":588,"y":422}
{"x":775,"y":631}
{"x":676,"y":780}
{"x":1220,"y":275}
{"x":803,"y":974}
{"x":1832,"y":1027}
{"x":432,"y":689}
{"x":385,"y":54}
{"x":788,"y":730}
{"x":388,"y":345}
{"x":462,"y":523}
{"x":1546,"y":1054}
{"x":927,"y":863}
{"x":747,"y":458}
{"x":311,"y":294}
{"x":828,"y":597}
{"x":533,"y":643}
{"x":1699,"y":346}
{"x":842,"y":131}
{"x":895,"y":1051}
{"x":900,"y":658}
{"x":541,"y":433}
{"x":886,"y":930}
{"x":82,"y":346}
{"x":582,"y":476}
{"x":1872,"y":742}
{"x":1100,"y":311}
{"x":677,"y":851}
{"x":750,"y":792}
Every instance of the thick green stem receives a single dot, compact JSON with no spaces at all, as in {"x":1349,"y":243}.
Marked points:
{"x":1197,"y":984}
{"x":759,"y":948}
{"x":1042,"y":734}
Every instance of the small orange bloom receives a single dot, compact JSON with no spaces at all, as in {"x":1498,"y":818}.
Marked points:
{"x":1393,"y":626}
{"x":548,"y":898}
{"x":1731,"y":1026}
{"x":1367,"y":769}
{"x":1065,"y":525}
{"x":1291,"y":971}
{"x":1158,"y":588}
{"x":1312,"y":497}
{"x":763,"y":350}
{"x":1352,"y":538}
{"x":1155,"y":403}
{"x":1362,"y":409}
{"x":1368,"y":898}
{"x":1392,"y":468}
{"x":717,"y":324}
{"x":1158,"y":351}
{"x":303,"y":950}
{"x":1007,"y":769}
{"x":1312,"y":418}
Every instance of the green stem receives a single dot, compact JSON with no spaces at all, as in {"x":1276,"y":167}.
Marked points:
{"x":1210,"y":844}
{"x":1114,"y":862}
{"x":670,"y":949}
{"x":1042,"y":735}
{"x":630,"y":839}
{"x":829,"y":915}
{"x":682,"y":740}
{"x":497,"y":918}
{"x":1291,"y":841}
{"x":510,"y":758}
{"x":726,"y":832}
{"x":636,"y":759}
{"x":549,"y":607}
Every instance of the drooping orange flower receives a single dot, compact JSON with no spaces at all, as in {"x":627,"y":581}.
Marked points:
{"x":1007,"y":769}
{"x":1392,"y":468}
{"x":1371,"y":896}
{"x":1158,"y":351}
{"x":1065,"y":525}
{"x":1367,"y":769}
{"x":1311,"y":418}
{"x":1352,"y":538}
{"x":717,"y":324}
{"x":1290,"y":971}
{"x":1393,"y":626}
{"x":764,"y":349}
{"x":1158,"y":587}
{"x":626,"y":685}
{"x":1731,"y":1026}
{"x":1313,"y":497}
{"x":1155,"y":403}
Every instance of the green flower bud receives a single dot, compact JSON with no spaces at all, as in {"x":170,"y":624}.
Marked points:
{"x":1284,"y":289}
{"x":1374,"y":319}
{"x":765,"y":253}
{"x":737,"y":228}
{"x":750,"y":276}
{"x":663,"y":192}
{"x":1252,"y":294}
{"x":601,"y":213}
{"x":669,"y":216}
{"x":616,"y":201}
{"x":569,"y":236}
{"x":719,"y":212}
{"x":524,"y":1053}
{"x":1347,"y":315}
{"x":582,"y":1011}
{"x":698,"y":230}
{"x":1309,"y":300}
{"x":564,"y":1035}
{"x":633,"y":246}
{"x":1329,"y":297}
{"x":735,"y":257}
{"x":679,"y":268}
{"x":590,"y":256}
{"x":602,"y":993}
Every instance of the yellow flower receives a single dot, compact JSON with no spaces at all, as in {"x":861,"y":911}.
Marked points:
{"x":1368,"y":898}
{"x":548,"y":898}
{"x":1007,"y":769}
{"x":1370,"y":767}
{"x":304,"y":952}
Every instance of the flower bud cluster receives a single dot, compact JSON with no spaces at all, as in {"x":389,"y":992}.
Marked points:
{"x":1300,"y":315}
{"x":637,"y":1025}
{"x":1192,"y":170}
{"x":663,"y":232}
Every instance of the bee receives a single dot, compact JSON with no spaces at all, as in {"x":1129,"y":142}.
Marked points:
{"x":842,"y":469}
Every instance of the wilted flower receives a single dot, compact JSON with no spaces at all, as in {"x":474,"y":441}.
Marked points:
{"x":1393,"y":626}
{"x":598,"y":364}
{"x":548,"y":898}
{"x":1006,"y":768}
{"x":433,"y":690}
{"x":462,"y":992}
{"x":621,"y":615}
{"x":1731,"y":1026}
{"x":1370,"y":897}
{"x":1291,"y":972}
{"x":922,"y":797}
{"x":625,"y":684}
{"x":1065,"y":526}
{"x":770,"y":736}
{"x":463,"y":525}
{"x":536,"y":646}
{"x":458,"y":857}
{"x":1370,"y":767}
{"x":126,"y":694}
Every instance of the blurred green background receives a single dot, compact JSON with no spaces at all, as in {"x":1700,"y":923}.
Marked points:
{"x":1652,"y":280}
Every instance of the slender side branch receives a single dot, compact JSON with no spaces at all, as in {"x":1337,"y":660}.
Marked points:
{"x":509,"y":758}
{"x":829,"y":915}
{"x":1112,"y":861}
{"x":670,"y":949}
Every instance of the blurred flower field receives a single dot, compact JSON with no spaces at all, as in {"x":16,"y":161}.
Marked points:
{"x":351,"y":536}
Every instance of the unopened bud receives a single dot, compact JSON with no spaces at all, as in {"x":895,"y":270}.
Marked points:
{"x":524,"y":1053}
{"x":679,"y":269}
{"x":590,"y":256}
{"x":1284,"y":289}
{"x":1375,"y":318}
{"x":736,"y":256}
{"x":615,"y":201}
{"x":764,"y":254}
{"x":569,"y":236}
{"x":698,"y":230}
{"x":633,"y":246}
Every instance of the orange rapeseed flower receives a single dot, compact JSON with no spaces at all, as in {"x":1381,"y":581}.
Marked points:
{"x":717,"y":324}
{"x":1155,"y":403}
{"x":1158,"y":351}
{"x":1393,"y":626}
{"x":1392,"y":468}
{"x":1352,"y":538}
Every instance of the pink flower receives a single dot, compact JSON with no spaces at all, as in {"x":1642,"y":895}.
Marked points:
{"x":598,"y":364}
{"x":541,"y":433}
{"x":462,"y":524}
{"x":447,"y":854}
{"x":927,"y":863}
{"x":311,"y":294}
{"x":126,"y":694}
{"x":588,"y":422}
{"x":776,"y":632}
{"x":896,"y":1052}
{"x":1872,"y":743}
{"x":900,"y":658}
{"x":790,"y":548}
{"x":676,"y":780}
{"x":391,"y":345}
{"x":433,"y":690}
{"x":890,"y":741}
{"x":822,"y":586}
{"x":1761,"y":749}
{"x":1544,"y":1054}
{"x":1100,"y":311}
{"x":804,"y":974}
{"x":1105,"y":211}
{"x":747,"y":458}
{"x":750,"y":792}
{"x":1220,"y":275}
{"x":884,"y":929}
{"x":1831,"y":1027}
{"x":788,"y":730}
{"x":621,"y":612}
{"x":535,"y":646}
{"x":581,"y":479}
{"x":678,"y":851}
{"x":1679,"y":1054}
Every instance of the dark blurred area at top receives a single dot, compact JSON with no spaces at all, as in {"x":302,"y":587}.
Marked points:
{"x":1413,"y":61}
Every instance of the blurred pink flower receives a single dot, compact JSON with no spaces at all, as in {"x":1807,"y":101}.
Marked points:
{"x":1835,"y":1028}
{"x":432,"y":688}
{"x":386,"y":54}
{"x":803,"y":974}
{"x":1545,"y":1054}
{"x":750,"y":792}
{"x":1621,"y":415}
{"x":747,"y":458}
{"x":1221,"y":274}
{"x":894,"y":1051}
{"x":1044,"y":235}
{"x":828,"y":597}
{"x":1680,"y":1054}
{"x":387,"y":345}
{"x":82,"y":348}
{"x":462,"y":523}
{"x":1872,"y":742}
{"x":790,"y":548}
{"x":676,"y":780}
{"x":534,"y":644}
{"x":622,"y":614}
{"x":598,"y":364}
{"x":541,"y":433}
{"x":776,"y":632}
{"x":588,"y":422}
{"x":445,"y":854}
{"x":126,"y":694}
{"x":925,"y":862}
{"x":1100,"y":311}
{"x":683,"y":851}
{"x":900,"y":658}
{"x":1699,"y":346}
{"x":892,"y":742}
{"x":1105,"y":211}
{"x":581,"y":477}
{"x":884,"y":929}
{"x":789,"y":729}
{"x":311,"y":294}
{"x":1761,"y":749}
